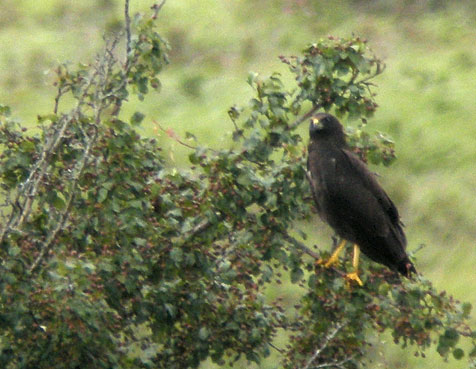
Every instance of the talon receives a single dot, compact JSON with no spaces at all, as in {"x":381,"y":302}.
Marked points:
{"x":354,"y":277}
{"x":334,"y":259}
{"x":328,"y":263}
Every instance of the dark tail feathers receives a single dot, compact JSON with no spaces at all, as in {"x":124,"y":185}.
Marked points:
{"x":406,"y":268}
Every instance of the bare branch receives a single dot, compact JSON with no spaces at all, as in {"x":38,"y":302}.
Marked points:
{"x":312,"y":185}
{"x":58,"y":96}
{"x":173,"y":135}
{"x":335,"y":364}
{"x":45,"y":247}
{"x":156,"y":8}
{"x":128,"y":32}
{"x":98,"y":100}
{"x":103,"y":70}
{"x":301,"y":119}
{"x":301,"y":246}
{"x":281,"y":351}
{"x":29,"y":188}
{"x":329,"y":337}
{"x":308,"y":251}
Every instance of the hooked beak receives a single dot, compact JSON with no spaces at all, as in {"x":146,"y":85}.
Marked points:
{"x":316,"y":124}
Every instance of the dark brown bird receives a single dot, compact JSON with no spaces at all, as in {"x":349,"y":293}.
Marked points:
{"x":349,"y":198}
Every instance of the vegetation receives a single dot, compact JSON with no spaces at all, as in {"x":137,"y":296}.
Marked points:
{"x":112,"y":257}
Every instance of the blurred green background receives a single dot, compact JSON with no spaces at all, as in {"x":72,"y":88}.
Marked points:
{"x":427,"y":98}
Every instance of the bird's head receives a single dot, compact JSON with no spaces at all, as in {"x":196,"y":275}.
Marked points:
{"x":325,"y":126}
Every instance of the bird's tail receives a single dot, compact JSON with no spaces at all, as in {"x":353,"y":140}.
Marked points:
{"x":406,"y":268}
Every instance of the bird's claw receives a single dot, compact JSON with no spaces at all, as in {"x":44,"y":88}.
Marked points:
{"x":353,"y":277}
{"x":332,"y":261}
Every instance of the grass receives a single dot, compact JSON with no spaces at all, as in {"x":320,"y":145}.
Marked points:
{"x":426,"y":99}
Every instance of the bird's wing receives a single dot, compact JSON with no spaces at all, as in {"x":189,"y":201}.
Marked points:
{"x":356,"y":200}
{"x":367,"y":179}
{"x":312,"y":182}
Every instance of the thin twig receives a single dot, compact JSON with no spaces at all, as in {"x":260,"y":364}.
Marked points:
{"x":326,"y":342}
{"x":156,"y":8}
{"x":199,"y":228}
{"x":127,"y":64}
{"x":312,"y":185}
{"x":309,"y":252}
{"x":334,"y":364}
{"x":301,"y":246}
{"x":173,"y":135}
{"x":128,"y":31}
{"x":281,"y":351}
{"x":58,"y":98}
{"x":301,"y":119}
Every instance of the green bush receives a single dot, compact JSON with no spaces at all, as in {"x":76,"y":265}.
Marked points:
{"x":110,"y":258}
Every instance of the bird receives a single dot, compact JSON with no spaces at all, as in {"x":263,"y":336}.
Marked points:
{"x":349,"y":198}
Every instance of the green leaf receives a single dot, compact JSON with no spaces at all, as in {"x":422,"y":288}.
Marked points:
{"x":5,"y":110}
{"x":234,"y":112}
{"x":203,"y":333}
{"x":137,"y":118}
{"x":466,"y":307}
{"x":140,"y":241}
{"x":102,"y":194}
{"x":472,"y":353}
{"x":47,"y":118}
{"x":171,"y":310}
{"x":55,"y":198}
{"x":176,"y":254}
{"x":252,"y":78}
{"x":296,"y":275}
{"x":458,"y":354}
{"x":244,"y":180}
{"x":14,"y":251}
{"x":190,"y":136}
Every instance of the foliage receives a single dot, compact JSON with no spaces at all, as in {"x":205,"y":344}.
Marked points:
{"x":112,"y":259}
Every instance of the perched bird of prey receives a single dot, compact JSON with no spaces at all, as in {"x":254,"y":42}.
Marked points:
{"x":349,"y":198}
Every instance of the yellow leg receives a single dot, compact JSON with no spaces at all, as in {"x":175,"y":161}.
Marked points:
{"x":355,"y":260}
{"x":354,"y":276}
{"x":334,"y":259}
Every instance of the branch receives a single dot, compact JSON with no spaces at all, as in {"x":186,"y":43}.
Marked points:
{"x":65,"y":215}
{"x":308,"y":251}
{"x":301,"y":246}
{"x":58,"y":96}
{"x":311,"y":184}
{"x":334,"y":364}
{"x":128,"y":32}
{"x":127,"y":65}
{"x":29,"y":188}
{"x":316,"y":107}
{"x":99,"y":80}
{"x":301,"y":119}
{"x":321,"y":348}
{"x":199,"y":228}
{"x":156,"y":8}
{"x":281,"y":351}
{"x":169,"y":132}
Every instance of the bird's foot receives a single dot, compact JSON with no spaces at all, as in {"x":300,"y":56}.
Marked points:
{"x":332,"y":261}
{"x":353,"y":277}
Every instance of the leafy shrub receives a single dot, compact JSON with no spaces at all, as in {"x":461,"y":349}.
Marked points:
{"x":112,"y":259}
